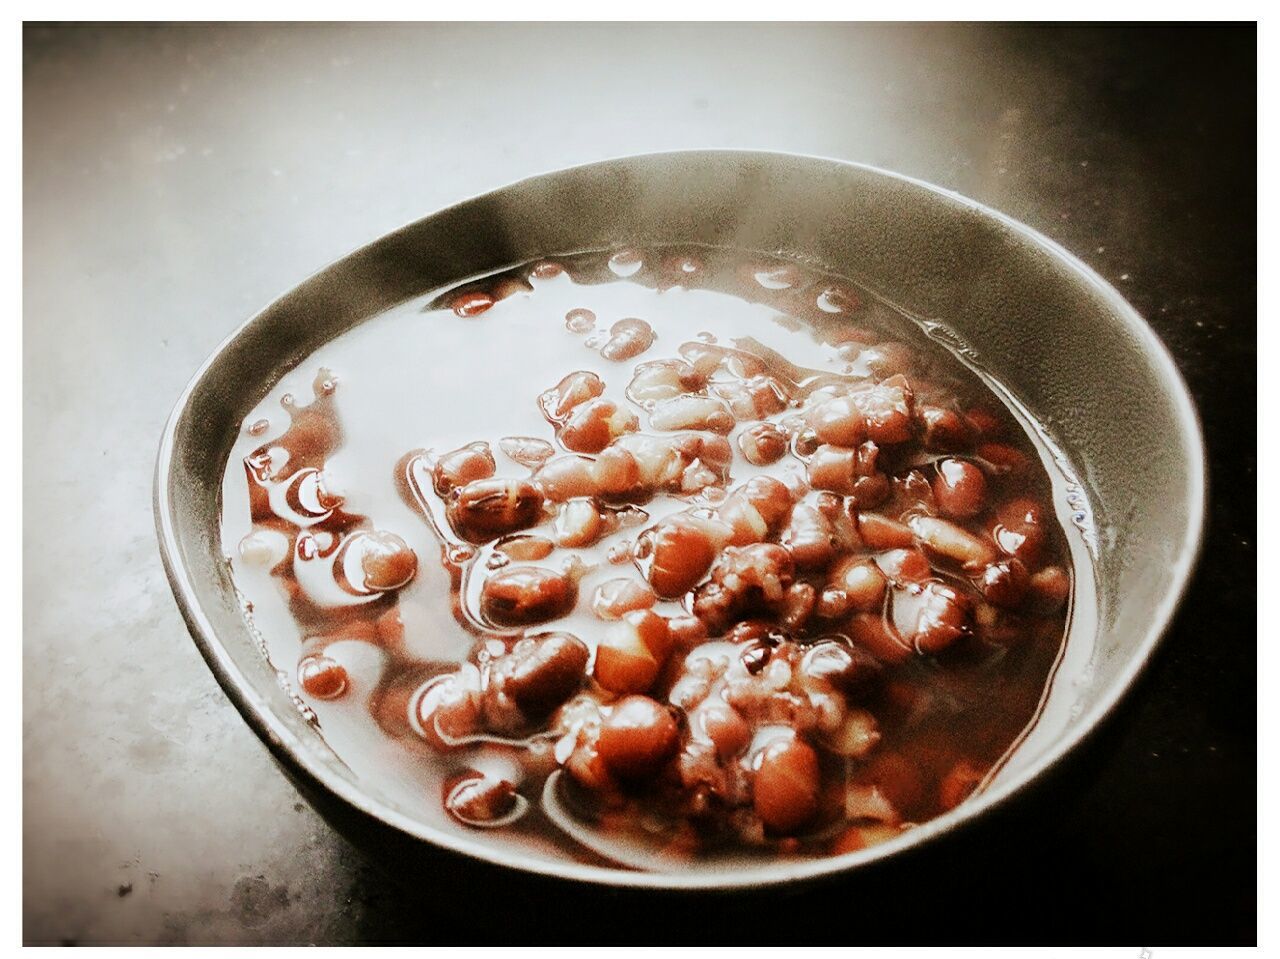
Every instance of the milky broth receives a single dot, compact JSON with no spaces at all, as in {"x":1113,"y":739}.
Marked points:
{"x":423,"y":377}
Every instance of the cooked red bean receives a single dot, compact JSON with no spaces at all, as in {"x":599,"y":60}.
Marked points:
{"x":838,"y":421}
{"x":631,"y":652}
{"x":524,"y":595}
{"x":1050,"y":588}
{"x":593,"y":425}
{"x":565,"y":477}
{"x":540,"y":673}
{"x":959,"y":489}
{"x":931,"y":617}
{"x":785,"y":788}
{"x":763,"y":444}
{"x":322,"y":677}
{"x":682,"y":552}
{"x":861,"y":581}
{"x":459,"y":467}
{"x":1005,"y":583}
{"x":808,"y":538}
{"x":574,"y":390}
{"x":637,"y":738}
{"x":387,"y":561}
{"x":489,"y":508}
{"x":615,"y":597}
{"x":478,"y":800}
{"x":943,"y":430}
{"x":880,"y":532}
{"x":627,"y":340}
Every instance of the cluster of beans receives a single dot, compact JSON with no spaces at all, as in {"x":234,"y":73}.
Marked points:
{"x":831,"y":553}
{"x":754,"y":640}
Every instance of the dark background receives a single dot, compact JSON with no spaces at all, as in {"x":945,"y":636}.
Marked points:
{"x":177,"y":177}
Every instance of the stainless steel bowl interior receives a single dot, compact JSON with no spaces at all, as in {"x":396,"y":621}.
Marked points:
{"x":1061,"y":339}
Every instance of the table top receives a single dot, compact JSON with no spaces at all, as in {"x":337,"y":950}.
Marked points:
{"x":177,"y":178}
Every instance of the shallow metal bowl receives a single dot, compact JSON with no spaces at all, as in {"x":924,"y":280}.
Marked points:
{"x":1060,"y":338}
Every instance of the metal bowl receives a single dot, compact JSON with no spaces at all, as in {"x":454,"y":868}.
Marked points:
{"x":1063,"y":341}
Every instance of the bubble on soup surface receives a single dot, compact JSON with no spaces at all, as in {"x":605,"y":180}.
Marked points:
{"x":580,"y":321}
{"x":625,"y":263}
{"x":776,"y":278}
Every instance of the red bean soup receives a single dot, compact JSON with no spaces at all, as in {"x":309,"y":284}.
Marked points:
{"x":656,"y":558}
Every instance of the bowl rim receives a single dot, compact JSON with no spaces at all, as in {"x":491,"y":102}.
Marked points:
{"x":298,"y":758}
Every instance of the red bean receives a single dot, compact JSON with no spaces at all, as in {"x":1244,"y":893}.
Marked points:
{"x":871,"y":633}
{"x":809,"y":538}
{"x":387,"y":561}
{"x":771,"y":498}
{"x":845,"y":668}
{"x":579,"y":523}
{"x":1050,"y":588}
{"x":627,"y":340}
{"x":525,"y":548}
{"x":616,"y":474}
{"x":616,"y":597}
{"x":475,"y":799}
{"x":838,"y":421}
{"x":631,"y":652}
{"x":861,"y":582}
{"x":763,"y":444}
{"x":887,"y":409}
{"x":489,"y":508}
{"x":540,"y":673}
{"x":754,"y":398}
{"x":959,"y":782}
{"x":524,"y":595}
{"x":461,"y":466}
{"x":943,"y":429}
{"x":880,"y":532}
{"x":959,"y":489}
{"x":575,"y":389}
{"x":682,"y":554}
{"x":593,"y":425}
{"x":832,"y":468}
{"x":1005,"y":583}
{"x":322,"y":677}
{"x":931,"y":617}
{"x":905,"y":565}
{"x":725,"y":727}
{"x":472,"y":303}
{"x":565,"y":477}
{"x":637,"y":738}
{"x":786,"y":785}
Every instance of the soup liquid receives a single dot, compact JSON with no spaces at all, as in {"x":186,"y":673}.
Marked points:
{"x":341,"y":453}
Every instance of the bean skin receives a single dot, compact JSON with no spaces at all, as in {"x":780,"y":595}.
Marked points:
{"x":808,"y":538}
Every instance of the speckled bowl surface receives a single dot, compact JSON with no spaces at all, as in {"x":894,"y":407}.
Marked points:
{"x":1064,"y":343}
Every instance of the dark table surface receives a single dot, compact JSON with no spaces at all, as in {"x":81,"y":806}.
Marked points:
{"x":176,"y":178}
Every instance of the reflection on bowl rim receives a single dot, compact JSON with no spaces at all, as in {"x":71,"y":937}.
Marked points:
{"x":299,"y":758}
